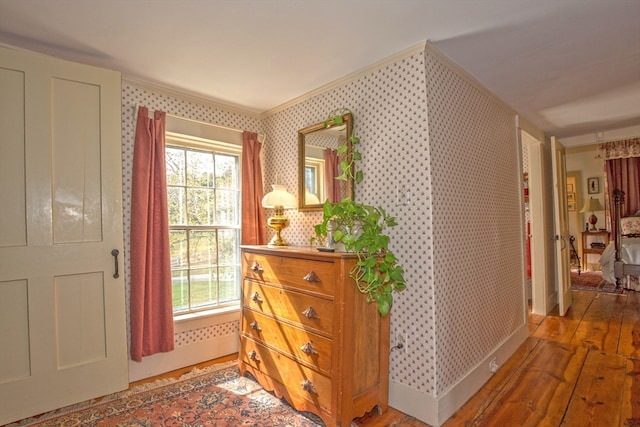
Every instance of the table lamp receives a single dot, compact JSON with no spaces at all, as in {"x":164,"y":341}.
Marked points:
{"x":278,"y":199}
{"x":310,"y":198}
{"x":592,"y":205}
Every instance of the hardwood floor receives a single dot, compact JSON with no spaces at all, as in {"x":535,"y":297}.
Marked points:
{"x":579,"y":370}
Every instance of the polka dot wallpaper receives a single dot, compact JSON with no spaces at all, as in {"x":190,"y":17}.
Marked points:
{"x":390,"y":118}
{"x":476,"y":222}
{"x":451,"y":149}
{"x":132,"y":97}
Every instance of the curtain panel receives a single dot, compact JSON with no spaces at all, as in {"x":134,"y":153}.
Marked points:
{"x":254,"y":221}
{"x":623,"y":174}
{"x":151,"y":308}
{"x":331,"y":170}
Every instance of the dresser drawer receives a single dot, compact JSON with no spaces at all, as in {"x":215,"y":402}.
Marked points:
{"x":311,"y":275}
{"x":306,"y":310}
{"x":304,"y":382}
{"x":303,"y":345}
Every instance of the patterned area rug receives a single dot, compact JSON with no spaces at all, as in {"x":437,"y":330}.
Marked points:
{"x":592,"y":281}
{"x":215,"y":396}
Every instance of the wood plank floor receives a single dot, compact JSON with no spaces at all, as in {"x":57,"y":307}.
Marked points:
{"x":579,"y":370}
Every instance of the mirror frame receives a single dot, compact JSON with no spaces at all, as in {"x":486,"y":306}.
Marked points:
{"x":302,"y":133}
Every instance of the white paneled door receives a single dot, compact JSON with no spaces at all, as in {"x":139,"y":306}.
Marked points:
{"x":561,"y":226}
{"x":62,"y":311}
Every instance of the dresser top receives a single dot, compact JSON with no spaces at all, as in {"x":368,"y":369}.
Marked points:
{"x":297,"y":251}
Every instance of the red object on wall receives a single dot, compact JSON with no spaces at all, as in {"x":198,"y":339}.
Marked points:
{"x":528,"y":250}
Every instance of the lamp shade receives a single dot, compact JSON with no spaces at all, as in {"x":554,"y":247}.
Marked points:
{"x":591,"y":205}
{"x":310,"y":198}
{"x":279,"y":197}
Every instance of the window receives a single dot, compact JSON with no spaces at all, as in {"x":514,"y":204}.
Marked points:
{"x":203,"y":188}
{"x":314,"y":177}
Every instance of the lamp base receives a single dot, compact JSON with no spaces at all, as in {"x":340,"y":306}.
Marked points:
{"x":593,"y":219}
{"x":277,"y":242}
{"x":278,"y":223}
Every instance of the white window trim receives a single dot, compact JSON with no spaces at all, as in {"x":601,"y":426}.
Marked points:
{"x":204,"y":136}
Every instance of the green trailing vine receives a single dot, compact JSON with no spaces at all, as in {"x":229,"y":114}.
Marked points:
{"x":361,"y":229}
{"x":350,"y":153}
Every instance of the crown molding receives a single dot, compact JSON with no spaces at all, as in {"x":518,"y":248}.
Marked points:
{"x":417,"y":48}
{"x":191,"y":96}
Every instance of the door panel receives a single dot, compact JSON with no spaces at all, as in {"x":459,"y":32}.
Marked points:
{"x":76,"y":190}
{"x":561,"y":226}
{"x":63,"y":329}
{"x":80,"y":321}
{"x":13,"y":225}
{"x":14,"y":331}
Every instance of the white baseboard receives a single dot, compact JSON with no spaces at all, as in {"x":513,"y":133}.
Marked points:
{"x":436,"y":410}
{"x":182,"y":356}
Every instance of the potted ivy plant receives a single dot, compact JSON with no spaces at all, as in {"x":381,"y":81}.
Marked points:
{"x":361,"y":229}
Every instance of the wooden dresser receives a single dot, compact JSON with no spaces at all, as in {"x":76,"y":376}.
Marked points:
{"x":309,"y":335}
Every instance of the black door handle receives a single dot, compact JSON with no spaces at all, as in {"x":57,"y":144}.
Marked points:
{"x":115,"y":254}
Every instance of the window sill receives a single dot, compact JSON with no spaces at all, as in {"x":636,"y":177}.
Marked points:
{"x":187,"y":322}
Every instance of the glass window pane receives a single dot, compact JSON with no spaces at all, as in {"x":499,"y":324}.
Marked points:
{"x":204,"y":287}
{"x":178,"y":249}
{"x":201,"y":206}
{"x":180,"y":290}
{"x":229,"y":278}
{"x":310,"y":180}
{"x":202,"y":249}
{"x":227,"y":171}
{"x":227,"y":207}
{"x":177,"y":208}
{"x":199,"y":169}
{"x":228,"y":248}
{"x":174,"y":160}
{"x":203,"y":189}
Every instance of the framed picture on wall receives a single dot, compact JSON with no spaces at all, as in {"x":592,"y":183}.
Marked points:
{"x":571,"y":197}
{"x":571,"y":206}
{"x":593,"y":185}
{"x":570,"y":188}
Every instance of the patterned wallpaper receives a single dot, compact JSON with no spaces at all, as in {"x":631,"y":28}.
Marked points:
{"x":476,"y":222}
{"x":132,"y":97}
{"x":456,"y":155}
{"x":390,"y":117}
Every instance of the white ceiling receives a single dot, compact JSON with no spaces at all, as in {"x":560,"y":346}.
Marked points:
{"x":571,"y":67}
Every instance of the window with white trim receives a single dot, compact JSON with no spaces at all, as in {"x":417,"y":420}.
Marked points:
{"x":314,"y":178}
{"x":203,"y":189}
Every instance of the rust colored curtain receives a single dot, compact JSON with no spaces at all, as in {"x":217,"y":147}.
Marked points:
{"x":331,"y":170}
{"x":151,"y":310}
{"x":254,"y":221}
{"x":623,"y":174}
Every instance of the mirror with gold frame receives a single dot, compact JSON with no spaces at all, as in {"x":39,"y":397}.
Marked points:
{"x":318,"y":164}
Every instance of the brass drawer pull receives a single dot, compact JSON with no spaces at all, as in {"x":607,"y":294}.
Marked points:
{"x":254,"y":325}
{"x":308,"y":386}
{"x":311,"y":277}
{"x":308,"y":348}
{"x":254,"y":356}
{"x":256,"y":267}
{"x":256,"y":297}
{"x":310,"y":313}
